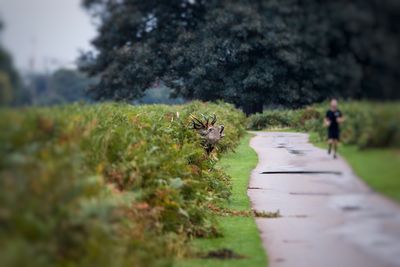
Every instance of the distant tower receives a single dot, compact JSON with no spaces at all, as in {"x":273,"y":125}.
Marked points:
{"x":31,"y":72}
{"x":32,"y":59}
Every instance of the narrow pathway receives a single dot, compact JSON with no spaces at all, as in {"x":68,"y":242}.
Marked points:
{"x":328,"y":219}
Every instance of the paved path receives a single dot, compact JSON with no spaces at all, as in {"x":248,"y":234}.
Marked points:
{"x":327,"y":219}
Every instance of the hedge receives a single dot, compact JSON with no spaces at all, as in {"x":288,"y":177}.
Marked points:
{"x":108,"y":184}
{"x":368,"y":124}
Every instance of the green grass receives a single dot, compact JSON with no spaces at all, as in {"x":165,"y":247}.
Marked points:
{"x":240,"y":234}
{"x":378,"y":167}
{"x":316,"y":141}
{"x":278,"y":130}
{"x":239,"y":165}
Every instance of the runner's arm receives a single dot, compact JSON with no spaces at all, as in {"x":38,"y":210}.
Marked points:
{"x":327,"y":122}
{"x":341,"y":118}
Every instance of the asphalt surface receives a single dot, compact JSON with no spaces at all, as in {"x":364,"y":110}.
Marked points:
{"x":329,"y":217}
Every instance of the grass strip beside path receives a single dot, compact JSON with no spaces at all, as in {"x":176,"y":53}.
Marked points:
{"x":378,"y":167}
{"x":240,"y":233}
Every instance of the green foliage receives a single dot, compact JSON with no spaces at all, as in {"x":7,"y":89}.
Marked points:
{"x":68,"y":86}
{"x":108,"y":184}
{"x":248,"y":243}
{"x":367,"y":124}
{"x":270,"y":118}
{"x":61,"y":86}
{"x":250,"y":53}
{"x":134,"y":43}
{"x":6,"y":89}
{"x":9,"y":78}
{"x":159,"y":95}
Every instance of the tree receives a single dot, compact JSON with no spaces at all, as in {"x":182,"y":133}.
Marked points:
{"x":9,"y":78}
{"x":251,"y":53}
{"x":134,"y":41}
{"x":290,"y":52}
{"x":6,"y":91}
{"x":224,"y":58}
{"x":68,"y":85}
{"x":61,"y":86}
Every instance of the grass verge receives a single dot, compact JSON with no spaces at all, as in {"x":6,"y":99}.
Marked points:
{"x":378,"y":167}
{"x":240,"y":233}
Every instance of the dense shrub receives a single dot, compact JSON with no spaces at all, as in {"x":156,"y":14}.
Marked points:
{"x":372,"y":124}
{"x":107,"y":184}
{"x":270,"y":119}
{"x":368,"y":124}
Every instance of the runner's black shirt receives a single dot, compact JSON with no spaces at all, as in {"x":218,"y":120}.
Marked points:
{"x":332,"y":116}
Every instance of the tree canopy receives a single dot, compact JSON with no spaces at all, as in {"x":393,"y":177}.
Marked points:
{"x":248,"y":52}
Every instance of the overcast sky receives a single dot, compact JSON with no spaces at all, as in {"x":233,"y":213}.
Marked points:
{"x":50,"y":31}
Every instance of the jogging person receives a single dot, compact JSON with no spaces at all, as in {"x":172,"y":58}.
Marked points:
{"x":332,"y":120}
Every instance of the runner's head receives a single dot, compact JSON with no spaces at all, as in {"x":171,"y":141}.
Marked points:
{"x":334,"y":104}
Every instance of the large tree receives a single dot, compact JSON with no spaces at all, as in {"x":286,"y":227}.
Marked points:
{"x":248,"y":52}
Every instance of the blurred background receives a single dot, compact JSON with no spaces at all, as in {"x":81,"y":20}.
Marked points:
{"x":253,"y":54}
{"x":40,"y":44}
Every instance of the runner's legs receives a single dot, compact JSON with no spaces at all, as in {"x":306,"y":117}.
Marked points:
{"x":335,"y":147}
{"x":330,"y":142}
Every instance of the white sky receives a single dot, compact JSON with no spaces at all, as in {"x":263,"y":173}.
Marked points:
{"x":53,"y":31}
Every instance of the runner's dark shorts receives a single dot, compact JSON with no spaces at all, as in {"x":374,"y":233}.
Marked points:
{"x":334,"y":133}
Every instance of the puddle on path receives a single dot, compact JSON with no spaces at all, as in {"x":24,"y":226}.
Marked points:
{"x":351,"y":208}
{"x":296,"y":152}
{"x":303,"y":172}
{"x":310,"y":193}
